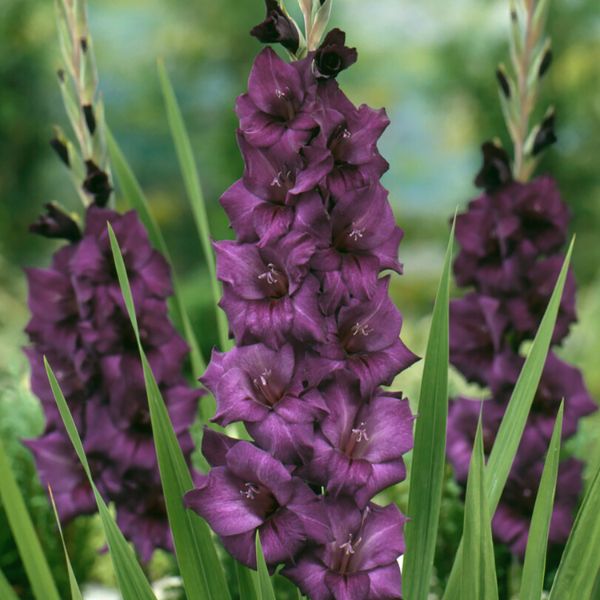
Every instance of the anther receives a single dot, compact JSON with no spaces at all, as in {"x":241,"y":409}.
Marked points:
{"x":250,"y":492}
{"x":362,"y":329}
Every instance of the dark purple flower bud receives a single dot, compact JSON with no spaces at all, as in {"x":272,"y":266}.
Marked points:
{"x":503,"y":81}
{"x":545,"y":135}
{"x":264,"y":388}
{"x":277,"y":105}
{"x":268,"y":293}
{"x":359,"y":561}
{"x":61,"y":150}
{"x":333,"y":56}
{"x":495,"y":171}
{"x":97,"y":184}
{"x":251,"y":491}
{"x":56,"y":223}
{"x":359,"y":446}
{"x":277,"y":28}
{"x":546,"y":62}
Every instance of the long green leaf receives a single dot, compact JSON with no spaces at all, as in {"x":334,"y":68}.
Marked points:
{"x":74,"y":586}
{"x":263,"y":579}
{"x":512,"y":425}
{"x":191,"y":180}
{"x":579,"y":568}
{"x":532,"y":579}
{"x":202,"y":573}
{"x":137,"y":200}
{"x":30,"y":550}
{"x":130,"y":576}
{"x":6,"y":590}
{"x":427,"y":466}
{"x":478,"y":578}
{"x":246,"y":582}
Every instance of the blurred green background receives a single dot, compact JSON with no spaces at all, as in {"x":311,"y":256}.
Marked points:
{"x":431,"y":64}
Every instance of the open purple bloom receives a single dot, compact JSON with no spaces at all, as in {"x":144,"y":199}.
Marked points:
{"x":264,"y":388}
{"x":364,"y":242}
{"x":277,"y":104}
{"x":248,"y":491}
{"x":278,"y":192}
{"x":351,"y":135}
{"x":359,"y":446}
{"x":359,"y":561}
{"x":268,"y":293}
{"x":365,"y":340}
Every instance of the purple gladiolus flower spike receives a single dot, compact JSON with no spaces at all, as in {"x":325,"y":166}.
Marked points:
{"x":316,"y":337}
{"x":80,"y":324}
{"x":511,"y":238}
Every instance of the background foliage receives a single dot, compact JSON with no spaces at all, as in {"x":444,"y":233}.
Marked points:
{"x":431,"y":68}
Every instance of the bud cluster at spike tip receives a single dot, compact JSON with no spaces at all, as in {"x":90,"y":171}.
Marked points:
{"x":511,"y":240}
{"x":316,"y":337}
{"x":80,"y":324}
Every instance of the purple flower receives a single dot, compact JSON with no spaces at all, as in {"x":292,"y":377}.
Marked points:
{"x":351,"y":135}
{"x":358,"y":449}
{"x":477,"y":327}
{"x":278,"y":192}
{"x":80,"y":324}
{"x":364,"y":242}
{"x":360,"y":559}
{"x":268,"y":292}
{"x":364,"y":339}
{"x":264,"y":388}
{"x":333,"y":56}
{"x":248,"y":491}
{"x":277,"y":104}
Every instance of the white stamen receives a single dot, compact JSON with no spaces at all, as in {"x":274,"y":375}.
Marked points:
{"x":348,"y":547}
{"x":346,"y":134}
{"x":361,"y":432}
{"x":263,"y":378}
{"x":250,"y":492}
{"x":362,"y":329}
{"x":356,"y":234}
{"x":269,"y":275}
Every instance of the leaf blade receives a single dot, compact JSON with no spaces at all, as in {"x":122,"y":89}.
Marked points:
{"x":478,"y":568}
{"x":26,"y":539}
{"x":6,"y":590}
{"x":427,"y":467}
{"x":136,"y":198}
{"x":130,"y":576}
{"x":189,"y":171}
{"x":532,"y":578}
{"x":263,"y":579}
{"x":74,"y":586}
{"x":579,"y":568}
{"x":514,"y":420}
{"x":201,"y":570}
